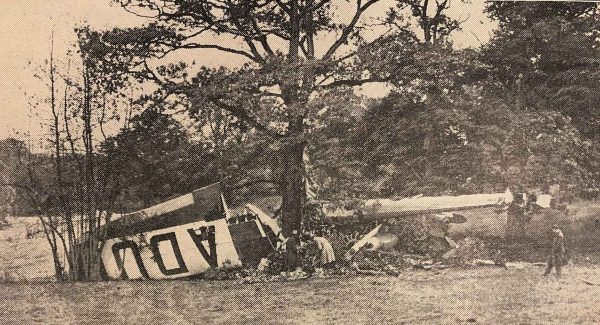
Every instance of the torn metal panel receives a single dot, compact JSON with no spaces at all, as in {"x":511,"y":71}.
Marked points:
{"x":361,"y":243}
{"x":383,"y":241}
{"x":250,"y":240}
{"x":171,"y":253}
{"x":183,"y":237}
{"x":266,"y":220}
{"x":202,"y":204}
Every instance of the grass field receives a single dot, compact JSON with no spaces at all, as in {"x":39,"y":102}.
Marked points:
{"x":485,"y":295}
{"x":22,"y":258}
{"x":455,"y":296}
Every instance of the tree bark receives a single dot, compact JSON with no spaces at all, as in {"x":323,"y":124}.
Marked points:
{"x":428,"y":145}
{"x":294,"y":195}
{"x":51,"y":237}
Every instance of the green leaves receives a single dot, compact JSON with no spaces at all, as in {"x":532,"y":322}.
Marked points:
{"x":155,"y":160}
{"x":545,"y":56}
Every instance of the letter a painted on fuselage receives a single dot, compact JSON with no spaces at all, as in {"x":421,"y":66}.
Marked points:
{"x":206,"y":234}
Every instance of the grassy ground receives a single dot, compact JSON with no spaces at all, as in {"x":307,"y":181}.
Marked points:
{"x":487,"y":295}
{"x":22,"y":258}
{"x":456,"y":296}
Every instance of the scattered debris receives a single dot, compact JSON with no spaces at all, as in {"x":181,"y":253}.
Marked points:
{"x":522,"y":265}
{"x":480,"y":262}
{"x":382,"y":241}
{"x":515,"y":265}
{"x":451,"y":242}
{"x":263,"y":265}
{"x":451,"y":254}
{"x":361,"y":243}
{"x":473,"y":251}
{"x":589,"y":282}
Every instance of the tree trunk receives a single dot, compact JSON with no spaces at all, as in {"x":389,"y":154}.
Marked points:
{"x":294,"y":41}
{"x":58,"y":269}
{"x":293,"y":167}
{"x":425,"y":23}
{"x":294,"y":195}
{"x":64,"y":205}
{"x":428,"y":145}
{"x":89,"y":241}
{"x":51,"y":238}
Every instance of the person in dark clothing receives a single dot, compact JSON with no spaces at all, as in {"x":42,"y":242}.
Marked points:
{"x":557,"y":252}
{"x":291,"y":252}
{"x":516,"y":218}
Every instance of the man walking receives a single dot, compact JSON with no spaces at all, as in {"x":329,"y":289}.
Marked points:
{"x":557,"y":252}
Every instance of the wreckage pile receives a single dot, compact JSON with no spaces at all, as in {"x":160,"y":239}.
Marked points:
{"x":398,"y":245}
{"x":421,"y":252}
{"x":417,"y":248}
{"x":474,"y":252}
{"x":399,"y":235}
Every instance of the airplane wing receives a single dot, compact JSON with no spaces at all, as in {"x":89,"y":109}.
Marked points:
{"x":386,"y":208}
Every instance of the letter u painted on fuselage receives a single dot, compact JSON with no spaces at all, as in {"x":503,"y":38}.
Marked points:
{"x":171,"y":253}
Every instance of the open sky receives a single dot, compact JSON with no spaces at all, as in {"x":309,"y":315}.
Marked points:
{"x":26,"y":27}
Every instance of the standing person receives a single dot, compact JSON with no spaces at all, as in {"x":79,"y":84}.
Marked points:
{"x":291,"y":252}
{"x":515,"y":228}
{"x":557,"y":252}
{"x":325,"y":255}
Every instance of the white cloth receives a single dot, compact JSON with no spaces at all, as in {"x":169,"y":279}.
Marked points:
{"x":327,"y":254}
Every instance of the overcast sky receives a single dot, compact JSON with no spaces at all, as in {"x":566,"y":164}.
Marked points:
{"x":26,"y":26}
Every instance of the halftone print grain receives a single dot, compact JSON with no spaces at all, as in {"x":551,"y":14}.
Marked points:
{"x":299,"y":161}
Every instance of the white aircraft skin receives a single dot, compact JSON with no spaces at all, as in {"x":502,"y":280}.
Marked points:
{"x":171,"y":253}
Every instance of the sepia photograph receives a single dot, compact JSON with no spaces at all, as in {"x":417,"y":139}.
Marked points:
{"x":299,"y":162}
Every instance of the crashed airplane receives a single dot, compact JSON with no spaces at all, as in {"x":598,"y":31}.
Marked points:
{"x":184,"y":237}
{"x":191,"y":234}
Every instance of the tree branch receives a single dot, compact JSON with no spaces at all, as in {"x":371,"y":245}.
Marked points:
{"x":284,"y":7}
{"x":262,"y":38}
{"x":221,"y":48}
{"x":355,"y":82}
{"x":313,"y":8}
{"x":245,"y":116}
{"x":360,"y":9}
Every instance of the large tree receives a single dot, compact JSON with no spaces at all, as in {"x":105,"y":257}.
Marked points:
{"x":544,"y":65}
{"x":410,"y":141}
{"x":519,"y":113}
{"x":544,"y":57}
{"x":295,"y":53}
